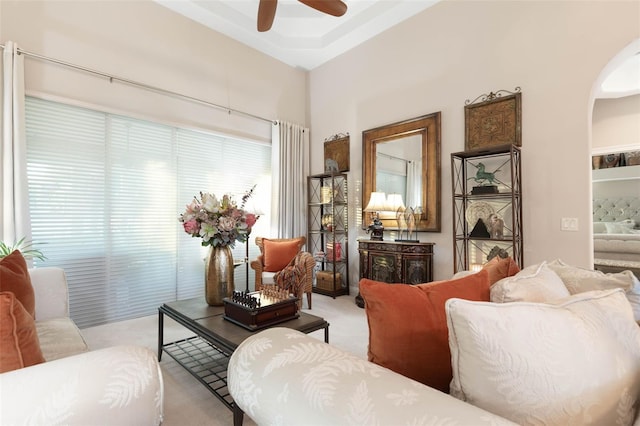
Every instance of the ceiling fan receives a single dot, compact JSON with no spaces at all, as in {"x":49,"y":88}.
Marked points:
{"x":267,"y":10}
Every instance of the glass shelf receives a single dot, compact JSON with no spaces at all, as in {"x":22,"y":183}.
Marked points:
{"x":498,"y":215}
{"x":327,"y":214}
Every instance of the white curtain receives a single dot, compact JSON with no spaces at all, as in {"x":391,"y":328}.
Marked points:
{"x":289,"y":171}
{"x":14,"y":213}
{"x":414,"y":188}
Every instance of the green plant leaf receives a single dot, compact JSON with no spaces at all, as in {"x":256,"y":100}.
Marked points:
{"x":25,"y":247}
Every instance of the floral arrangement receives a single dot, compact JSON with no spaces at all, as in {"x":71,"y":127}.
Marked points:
{"x":219,"y":222}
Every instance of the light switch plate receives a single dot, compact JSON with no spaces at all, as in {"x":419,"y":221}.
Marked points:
{"x":569,"y":224}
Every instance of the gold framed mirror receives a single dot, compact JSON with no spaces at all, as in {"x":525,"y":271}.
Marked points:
{"x":416,"y":143}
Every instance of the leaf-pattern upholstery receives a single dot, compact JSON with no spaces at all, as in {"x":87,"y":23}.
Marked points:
{"x":120,"y":385}
{"x":579,"y":280}
{"x":572,"y":363}
{"x":540,"y":284}
{"x":283,"y":377}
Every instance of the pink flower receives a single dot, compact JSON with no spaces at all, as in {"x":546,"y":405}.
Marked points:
{"x":218,"y":221}
{"x":191,"y":211}
{"x":191,"y":227}
{"x":251,"y":219}
{"x":226,"y":223}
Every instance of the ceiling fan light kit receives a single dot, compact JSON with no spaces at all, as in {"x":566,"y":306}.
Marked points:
{"x":267,"y":10}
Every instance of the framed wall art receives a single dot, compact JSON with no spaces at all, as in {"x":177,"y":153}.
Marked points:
{"x":492,"y":120}
{"x":336,"y":153}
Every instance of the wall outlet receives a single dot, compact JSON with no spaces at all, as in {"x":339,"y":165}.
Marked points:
{"x":569,"y":224}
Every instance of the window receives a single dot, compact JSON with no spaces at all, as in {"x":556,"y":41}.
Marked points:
{"x":105,"y":195}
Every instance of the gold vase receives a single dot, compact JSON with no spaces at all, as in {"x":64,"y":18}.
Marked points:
{"x":218,"y":275}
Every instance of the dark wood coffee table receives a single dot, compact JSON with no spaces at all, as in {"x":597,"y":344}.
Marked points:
{"x":206,"y":355}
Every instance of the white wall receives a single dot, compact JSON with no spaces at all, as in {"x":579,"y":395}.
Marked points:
{"x":145,"y":42}
{"x":453,"y":51}
{"x":616,"y":123}
{"x":613,"y":189}
{"x":616,"y":127}
{"x":457,"y":50}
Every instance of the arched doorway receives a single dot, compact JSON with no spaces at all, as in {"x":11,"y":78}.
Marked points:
{"x":615,"y":146}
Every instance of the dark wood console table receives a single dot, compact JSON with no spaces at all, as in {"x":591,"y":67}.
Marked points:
{"x":395,"y":262}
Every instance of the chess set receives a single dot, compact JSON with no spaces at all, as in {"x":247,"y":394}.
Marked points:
{"x":260,"y":309}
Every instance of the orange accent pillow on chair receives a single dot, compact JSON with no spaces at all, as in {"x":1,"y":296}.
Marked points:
{"x":278,"y":254}
{"x":19,"y":344}
{"x":408,"y":325}
{"x":499,"y":268}
{"x":14,"y":277}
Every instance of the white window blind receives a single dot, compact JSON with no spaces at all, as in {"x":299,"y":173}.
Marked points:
{"x":219,"y":165}
{"x":105,"y":195}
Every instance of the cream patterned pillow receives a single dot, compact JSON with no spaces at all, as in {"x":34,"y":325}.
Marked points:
{"x":530,"y":285}
{"x":623,"y":227}
{"x":579,"y":280}
{"x":575,"y":363}
{"x":599,"y":228}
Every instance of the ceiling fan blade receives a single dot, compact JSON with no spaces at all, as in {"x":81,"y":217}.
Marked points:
{"x":332,"y":7}
{"x":266,"y":14}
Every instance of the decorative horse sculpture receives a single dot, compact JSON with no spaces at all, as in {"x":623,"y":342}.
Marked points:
{"x":406,"y":223}
{"x":483,"y":177}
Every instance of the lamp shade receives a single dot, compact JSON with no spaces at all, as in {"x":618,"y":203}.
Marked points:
{"x":377,"y":202}
{"x":395,"y":203}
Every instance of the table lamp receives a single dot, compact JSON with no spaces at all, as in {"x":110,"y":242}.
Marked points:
{"x":377,"y":203}
{"x":395,"y":203}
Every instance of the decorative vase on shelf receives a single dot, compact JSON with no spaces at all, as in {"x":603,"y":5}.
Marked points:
{"x":218,"y":275}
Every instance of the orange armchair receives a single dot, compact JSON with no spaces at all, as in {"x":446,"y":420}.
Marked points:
{"x":278,"y":253}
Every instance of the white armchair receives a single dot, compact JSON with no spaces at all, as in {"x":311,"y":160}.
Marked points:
{"x":119,"y":385}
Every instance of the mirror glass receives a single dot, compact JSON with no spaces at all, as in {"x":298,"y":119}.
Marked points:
{"x":399,"y":169}
{"x":404,"y":159}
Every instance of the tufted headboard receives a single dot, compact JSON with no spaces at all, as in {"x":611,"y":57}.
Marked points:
{"x":616,"y":209}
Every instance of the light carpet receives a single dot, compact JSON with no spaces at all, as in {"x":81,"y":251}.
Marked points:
{"x":187,"y":401}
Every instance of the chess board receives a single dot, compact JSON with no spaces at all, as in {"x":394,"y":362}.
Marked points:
{"x":260,"y":309}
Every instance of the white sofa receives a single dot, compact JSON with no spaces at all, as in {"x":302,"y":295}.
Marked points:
{"x":118,"y":385}
{"x":355,"y":392}
{"x":574,"y":361}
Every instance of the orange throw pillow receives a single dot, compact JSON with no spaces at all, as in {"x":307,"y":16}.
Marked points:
{"x":408,"y":325}
{"x":14,"y":277}
{"x":19,"y":344}
{"x":278,"y":254}
{"x":500,"y":268}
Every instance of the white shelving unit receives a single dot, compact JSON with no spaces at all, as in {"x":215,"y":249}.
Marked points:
{"x":616,"y":173}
